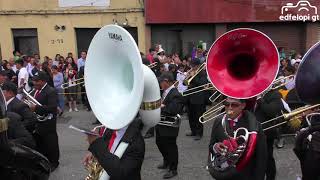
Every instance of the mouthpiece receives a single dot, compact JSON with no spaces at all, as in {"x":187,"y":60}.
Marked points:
{"x":229,"y":112}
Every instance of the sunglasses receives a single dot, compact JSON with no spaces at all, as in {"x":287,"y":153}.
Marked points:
{"x":233,"y":104}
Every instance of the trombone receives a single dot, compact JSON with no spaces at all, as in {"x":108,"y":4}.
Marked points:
{"x":279,"y":80}
{"x":211,"y":113}
{"x":288,"y":116}
{"x":208,"y":115}
{"x":76,"y":81}
{"x":153,"y":65}
{"x":204,"y":87}
{"x":189,"y":78}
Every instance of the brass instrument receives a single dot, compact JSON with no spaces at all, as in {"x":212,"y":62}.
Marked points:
{"x":189,"y":78}
{"x":211,"y":113}
{"x":204,"y":87}
{"x":288,"y":116}
{"x":135,"y":85}
{"x":175,"y":123}
{"x":28,"y":99}
{"x":31,"y":101}
{"x":279,"y":80}
{"x":153,"y":65}
{"x":94,"y":169}
{"x":76,"y":81}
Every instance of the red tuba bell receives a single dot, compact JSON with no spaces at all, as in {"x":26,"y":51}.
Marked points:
{"x":241,"y":64}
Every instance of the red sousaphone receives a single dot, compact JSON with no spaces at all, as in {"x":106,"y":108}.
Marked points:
{"x":241,"y":64}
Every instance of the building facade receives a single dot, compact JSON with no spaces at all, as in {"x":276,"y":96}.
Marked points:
{"x":44,"y":27}
{"x":179,"y":25}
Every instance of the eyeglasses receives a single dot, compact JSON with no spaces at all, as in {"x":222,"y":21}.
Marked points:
{"x":233,"y":105}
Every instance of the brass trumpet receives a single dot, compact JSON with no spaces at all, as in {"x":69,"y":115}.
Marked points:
{"x":76,"y":81}
{"x":28,"y":99}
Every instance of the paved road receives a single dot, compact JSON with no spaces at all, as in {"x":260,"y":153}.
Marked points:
{"x":192,"y":154}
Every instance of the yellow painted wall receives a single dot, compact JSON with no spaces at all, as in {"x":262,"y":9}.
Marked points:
{"x":53,"y":5}
{"x":48,"y":38}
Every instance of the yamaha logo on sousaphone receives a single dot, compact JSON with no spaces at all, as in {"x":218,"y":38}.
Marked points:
{"x":115,"y":36}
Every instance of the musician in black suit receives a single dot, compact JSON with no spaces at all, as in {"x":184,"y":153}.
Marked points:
{"x":224,"y":127}
{"x":20,"y":161}
{"x":15,"y":105}
{"x":166,"y":135}
{"x":103,"y":149}
{"x":46,"y":130}
{"x":307,"y":146}
{"x":269,"y":107}
{"x":196,"y":102}
{"x":17,"y":133}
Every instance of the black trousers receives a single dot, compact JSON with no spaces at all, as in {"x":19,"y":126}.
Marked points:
{"x":167,"y":146}
{"x":310,"y":165}
{"x":271,"y":163}
{"x":47,"y":140}
{"x":194,"y":112}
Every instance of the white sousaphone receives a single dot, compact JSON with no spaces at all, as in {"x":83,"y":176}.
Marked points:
{"x":118,"y":85}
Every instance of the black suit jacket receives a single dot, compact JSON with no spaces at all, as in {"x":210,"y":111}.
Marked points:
{"x":293,"y":99}
{"x":173,"y":105}
{"x":129,"y":166}
{"x":268,"y":107}
{"x":48,"y":99}
{"x":17,"y":132}
{"x":28,"y":117}
{"x":255,"y":169}
{"x":201,"y":97}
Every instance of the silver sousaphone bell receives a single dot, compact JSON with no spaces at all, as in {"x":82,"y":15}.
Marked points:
{"x":118,"y":85}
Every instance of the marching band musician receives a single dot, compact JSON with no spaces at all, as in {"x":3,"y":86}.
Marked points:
{"x":15,"y":105}
{"x":196,"y":102}
{"x":104,"y":147}
{"x":18,"y":161}
{"x":307,"y":146}
{"x":267,"y":107}
{"x":166,"y":135}
{"x":235,"y":118}
{"x":46,"y":130}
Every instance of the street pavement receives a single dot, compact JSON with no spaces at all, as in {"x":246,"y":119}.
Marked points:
{"x":192,"y":154}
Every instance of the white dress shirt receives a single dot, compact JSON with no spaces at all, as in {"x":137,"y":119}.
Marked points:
{"x":119,"y":135}
{"x":166,"y":92}
{"x":9,"y":101}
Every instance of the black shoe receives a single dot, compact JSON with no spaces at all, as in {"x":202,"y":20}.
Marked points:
{"x":197,"y":137}
{"x":60,"y":114}
{"x":162,"y":166}
{"x":148,"y":135}
{"x":170,"y":174}
{"x":190,"y":134}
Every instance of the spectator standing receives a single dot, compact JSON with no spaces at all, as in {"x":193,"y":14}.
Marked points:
{"x":58,"y":81}
{"x":82,"y":60}
{"x":71,"y":75}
